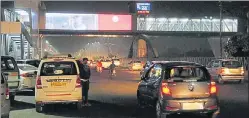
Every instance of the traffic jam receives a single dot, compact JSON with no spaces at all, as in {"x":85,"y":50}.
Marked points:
{"x":168,"y":86}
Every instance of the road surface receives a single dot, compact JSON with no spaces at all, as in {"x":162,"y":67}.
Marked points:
{"x":117,"y":99}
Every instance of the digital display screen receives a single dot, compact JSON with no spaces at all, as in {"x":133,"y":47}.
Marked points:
{"x":143,"y":8}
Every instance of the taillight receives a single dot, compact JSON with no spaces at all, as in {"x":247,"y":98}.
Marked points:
{"x":165,"y":89}
{"x":224,"y":71}
{"x":7,"y":93}
{"x":38,"y":82}
{"x":78,"y":82}
{"x":242,"y":71}
{"x":213,"y":88}
{"x":26,"y":75}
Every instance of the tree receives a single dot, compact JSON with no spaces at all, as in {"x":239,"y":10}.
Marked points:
{"x":238,"y":45}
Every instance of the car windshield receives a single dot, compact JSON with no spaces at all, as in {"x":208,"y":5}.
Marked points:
{"x":231,"y":64}
{"x":137,"y":62}
{"x":26,"y":67}
{"x":115,"y":59}
{"x":186,"y":73}
{"x":58,"y":68}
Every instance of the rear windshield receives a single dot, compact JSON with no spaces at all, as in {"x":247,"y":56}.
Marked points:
{"x":231,"y":64}
{"x":115,"y":59}
{"x":181,"y":74}
{"x":8,"y":64}
{"x":27,"y":67}
{"x":20,"y":62}
{"x":58,"y":68}
{"x":33,"y":63}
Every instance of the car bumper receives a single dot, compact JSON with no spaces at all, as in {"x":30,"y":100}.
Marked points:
{"x":176,"y":106}
{"x":232,"y":78}
{"x":59,"y":102}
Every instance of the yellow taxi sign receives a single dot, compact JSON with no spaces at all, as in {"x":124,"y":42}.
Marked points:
{"x":69,"y":56}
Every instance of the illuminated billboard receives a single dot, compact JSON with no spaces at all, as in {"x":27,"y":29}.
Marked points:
{"x":114,"y":22}
{"x":143,"y":8}
{"x":88,"y":21}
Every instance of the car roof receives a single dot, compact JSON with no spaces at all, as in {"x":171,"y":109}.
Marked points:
{"x":179,"y":63}
{"x":29,"y":60}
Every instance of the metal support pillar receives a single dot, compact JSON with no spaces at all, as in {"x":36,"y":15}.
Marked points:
{"x":22,"y":46}
{"x":29,"y":51}
{"x":5,"y":44}
{"x":221,"y":17}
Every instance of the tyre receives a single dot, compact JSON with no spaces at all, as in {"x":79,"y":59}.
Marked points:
{"x":210,"y":115}
{"x":241,"y":81}
{"x":12,"y":99}
{"x":7,"y":116}
{"x":159,"y":113}
{"x":39,"y":108}
{"x":79,"y":105}
{"x":220,"y":80}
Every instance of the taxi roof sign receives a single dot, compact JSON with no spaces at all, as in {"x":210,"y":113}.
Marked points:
{"x":69,"y":56}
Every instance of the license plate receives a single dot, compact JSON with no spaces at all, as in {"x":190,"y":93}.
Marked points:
{"x":58,"y":84}
{"x":192,"y":106}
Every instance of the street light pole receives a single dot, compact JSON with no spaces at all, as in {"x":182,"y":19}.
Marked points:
{"x":221,"y":17}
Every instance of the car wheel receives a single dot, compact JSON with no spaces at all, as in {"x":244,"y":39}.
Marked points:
{"x":210,"y":115}
{"x":159,"y":113}
{"x":39,"y":108}
{"x":7,"y":116}
{"x":241,"y":81}
{"x":220,"y":80}
{"x":12,"y":99}
{"x":79,"y":105}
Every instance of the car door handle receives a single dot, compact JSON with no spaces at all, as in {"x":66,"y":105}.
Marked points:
{"x":2,"y":93}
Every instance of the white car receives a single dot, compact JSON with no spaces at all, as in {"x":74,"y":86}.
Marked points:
{"x":116,"y":62}
{"x":5,"y":101}
{"x":106,"y":64}
{"x":27,"y":76}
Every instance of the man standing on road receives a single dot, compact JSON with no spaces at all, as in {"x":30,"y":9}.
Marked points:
{"x":85,"y":74}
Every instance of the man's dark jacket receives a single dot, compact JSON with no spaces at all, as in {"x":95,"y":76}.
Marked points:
{"x":85,"y":71}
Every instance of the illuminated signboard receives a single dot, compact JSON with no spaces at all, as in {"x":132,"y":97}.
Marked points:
{"x":88,"y":21}
{"x":143,"y":8}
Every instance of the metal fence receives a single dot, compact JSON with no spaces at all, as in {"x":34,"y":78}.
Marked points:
{"x":200,"y":60}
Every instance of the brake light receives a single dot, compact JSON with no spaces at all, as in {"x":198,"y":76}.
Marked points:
{"x":165,"y":89}
{"x":78,"y":82}
{"x":242,"y":71}
{"x":224,"y":71}
{"x":38,"y":82}
{"x":213,"y":88}
{"x":26,"y":75}
{"x":7,"y":94}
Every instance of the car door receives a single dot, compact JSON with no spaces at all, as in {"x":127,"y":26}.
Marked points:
{"x":143,"y":86}
{"x":153,"y":82}
{"x":215,"y":69}
{"x":209,"y":67}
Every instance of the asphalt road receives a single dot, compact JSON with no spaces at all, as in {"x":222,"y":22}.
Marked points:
{"x":117,"y":99}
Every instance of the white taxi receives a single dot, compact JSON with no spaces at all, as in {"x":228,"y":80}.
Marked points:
{"x":58,"y":81}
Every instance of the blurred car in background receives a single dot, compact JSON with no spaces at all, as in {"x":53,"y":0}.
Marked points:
{"x":106,"y":63}
{"x":223,"y":70}
{"x":116,"y":62}
{"x":135,"y":65}
{"x":28,"y":78}
{"x":33,"y":62}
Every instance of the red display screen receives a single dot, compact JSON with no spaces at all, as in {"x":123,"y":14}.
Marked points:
{"x":114,"y":22}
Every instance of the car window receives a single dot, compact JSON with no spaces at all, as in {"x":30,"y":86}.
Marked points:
{"x":216,"y":64}
{"x":27,"y":67}
{"x":187,"y":73}
{"x":58,"y":68}
{"x":231,"y":64}
{"x":33,"y":63}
